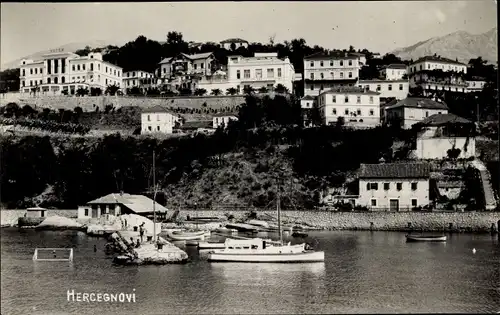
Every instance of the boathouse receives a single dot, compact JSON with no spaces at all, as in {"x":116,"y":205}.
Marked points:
{"x":120,"y":203}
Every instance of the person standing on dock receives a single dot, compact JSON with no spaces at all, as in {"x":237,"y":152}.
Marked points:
{"x":141,"y":231}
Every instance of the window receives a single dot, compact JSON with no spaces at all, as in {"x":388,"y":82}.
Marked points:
{"x":279,"y":72}
{"x":426,"y":114}
{"x":413,"y":186}
{"x":157,"y":117}
{"x":31,"y":83}
{"x":374,"y":202}
{"x":341,"y":63}
{"x":358,"y":112}
{"x":86,"y":212}
{"x":270,"y":73}
{"x":312,"y":87}
{"x":399,"y":186}
{"x":374,"y":186}
{"x":414,"y":202}
{"x":63,"y":80}
{"x":158,"y":128}
{"x":331,"y":63}
{"x":346,"y":99}
{"x":41,"y":81}
{"x":149,"y":118}
{"x":389,"y":87}
{"x":350,"y":62}
{"x":56,"y":80}
{"x":36,"y":70}
{"x":439,"y":113}
{"x":78,"y":67}
{"x":149,"y":128}
{"x":83,"y":66}
{"x":334,"y":111}
{"x":24,"y":72}
{"x":322,"y":75}
{"x":238,"y":74}
{"x":400,"y":87}
{"x":350,"y":74}
{"x":312,"y":76}
{"x":342,"y":75}
{"x":24,"y":84}
{"x":371,"y":99}
{"x":358,"y":99}
{"x":334,"y":99}
{"x":379,"y":87}
{"x":312,"y":64}
{"x":371,"y":112}
{"x":386,"y":186}
{"x":48,"y":80}
{"x":346,"y":112}
{"x":195,"y":66}
{"x":321,"y":87}
{"x":321,"y":63}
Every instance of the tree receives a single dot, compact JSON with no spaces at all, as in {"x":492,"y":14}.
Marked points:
{"x":280,"y":88}
{"x":216,"y":92}
{"x":135,"y":91}
{"x":35,"y":90}
{"x":231,"y":91}
{"x":453,"y":153}
{"x":233,"y":46}
{"x":12,"y":109}
{"x":248,"y":90}
{"x":95,"y":91}
{"x":28,"y":111}
{"x":112,"y":89}
{"x":185,"y":92}
{"x":200,"y":92}
{"x":263,"y":90}
{"x":82,"y":91}
{"x":351,"y":49}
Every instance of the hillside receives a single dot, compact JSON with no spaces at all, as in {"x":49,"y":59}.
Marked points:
{"x":72,"y":47}
{"x":461,"y":45}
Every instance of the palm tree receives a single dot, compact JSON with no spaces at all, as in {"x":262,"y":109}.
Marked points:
{"x":231,"y":91}
{"x":249,"y":90}
{"x":200,"y":92}
{"x":112,"y":89}
{"x":216,"y":92}
{"x":35,"y":89}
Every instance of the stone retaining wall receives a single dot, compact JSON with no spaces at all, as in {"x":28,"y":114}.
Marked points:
{"x":10,"y":216}
{"x":382,"y":221}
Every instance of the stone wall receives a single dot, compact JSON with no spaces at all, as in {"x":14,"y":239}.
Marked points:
{"x":10,"y":216}
{"x":382,"y":221}
{"x":87,"y":102}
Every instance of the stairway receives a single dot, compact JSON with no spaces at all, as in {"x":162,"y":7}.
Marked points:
{"x":489,"y":193}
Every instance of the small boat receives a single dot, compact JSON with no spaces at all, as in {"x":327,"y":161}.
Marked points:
{"x":259,"y":223}
{"x":257,"y":251}
{"x":186,"y":235}
{"x":241,"y":227}
{"x":210,"y":245}
{"x":426,"y":238}
{"x":224,"y":230}
{"x":299,"y":234}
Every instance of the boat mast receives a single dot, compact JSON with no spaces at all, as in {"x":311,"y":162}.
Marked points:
{"x":278,"y":201}
{"x":154,"y":199}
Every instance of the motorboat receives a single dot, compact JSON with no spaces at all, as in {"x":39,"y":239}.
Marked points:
{"x":425,"y":238}
{"x":258,"y":251}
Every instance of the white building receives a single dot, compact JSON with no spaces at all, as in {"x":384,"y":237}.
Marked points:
{"x":412,"y":110}
{"x":397,"y":89}
{"x":475,"y":84}
{"x":223,"y":119}
{"x":433,"y":74}
{"x":158,"y":120}
{"x":307,"y":101}
{"x":394,"y":72}
{"x":136,"y":78}
{"x":262,"y":70}
{"x":61,"y":71}
{"x":238,"y":42}
{"x":323,"y":71}
{"x":358,"y":107}
{"x":184,"y":64}
{"x":394,"y":186}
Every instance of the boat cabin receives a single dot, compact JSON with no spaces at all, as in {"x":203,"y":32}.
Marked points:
{"x":255,"y":243}
{"x":36,"y":212}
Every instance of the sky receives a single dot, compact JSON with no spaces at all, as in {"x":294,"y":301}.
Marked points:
{"x":28,"y":28}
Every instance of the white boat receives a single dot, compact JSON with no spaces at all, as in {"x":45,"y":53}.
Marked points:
{"x":258,"y":251}
{"x":224,"y":230}
{"x":258,"y":223}
{"x":210,"y":245}
{"x":426,"y":238}
{"x":187,"y":235}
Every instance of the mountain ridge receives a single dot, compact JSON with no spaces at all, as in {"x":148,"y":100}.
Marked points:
{"x":460,"y":45}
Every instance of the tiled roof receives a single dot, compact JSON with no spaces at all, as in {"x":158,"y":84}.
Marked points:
{"x":308,"y":98}
{"x":195,"y":124}
{"x":234,"y":40}
{"x":419,"y":102}
{"x":165,"y":60}
{"x":350,"y":90}
{"x":396,"y":66}
{"x":331,"y":55}
{"x":439,"y":59}
{"x":226,"y":115}
{"x":198,"y":56}
{"x":136,"y":203}
{"x":395,"y":170}
{"x":156,"y":109}
{"x":444,"y":119}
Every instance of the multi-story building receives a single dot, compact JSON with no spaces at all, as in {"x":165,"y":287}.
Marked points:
{"x":388,"y":89}
{"x":394,"y":71}
{"x":323,"y":71}
{"x":394,"y":186}
{"x":358,"y":107}
{"x":412,"y":110}
{"x":61,"y":71}
{"x":184,"y":64}
{"x":137,"y":78}
{"x":238,"y":42}
{"x":434,"y":73}
{"x":223,"y":119}
{"x":475,"y":84}
{"x":262,"y":70}
{"x":158,"y":120}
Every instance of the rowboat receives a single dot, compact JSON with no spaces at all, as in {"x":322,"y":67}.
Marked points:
{"x":224,"y":230}
{"x":242,"y":227}
{"x":426,"y":238}
{"x":186,"y":235}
